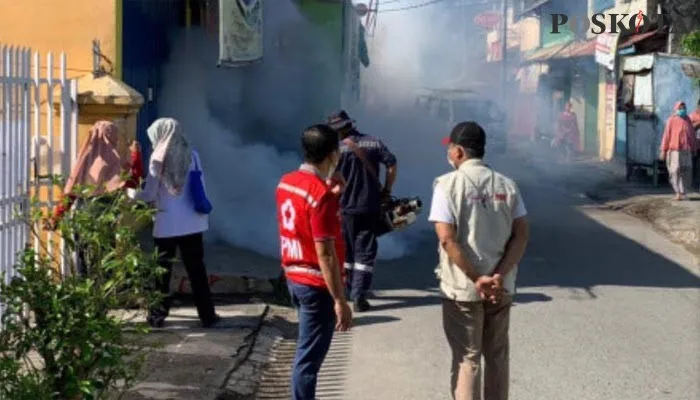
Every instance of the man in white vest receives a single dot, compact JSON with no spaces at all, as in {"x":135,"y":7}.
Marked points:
{"x":481,"y":224}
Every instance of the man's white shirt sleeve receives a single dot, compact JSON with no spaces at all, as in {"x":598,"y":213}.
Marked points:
{"x":440,"y":208}
{"x":519,"y":210}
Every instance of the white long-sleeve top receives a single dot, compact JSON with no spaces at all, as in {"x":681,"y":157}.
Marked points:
{"x":176,"y":215}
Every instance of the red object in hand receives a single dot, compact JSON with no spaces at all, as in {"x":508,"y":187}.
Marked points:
{"x":135,"y":170}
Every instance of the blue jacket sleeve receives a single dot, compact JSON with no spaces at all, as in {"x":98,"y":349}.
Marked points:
{"x":386,"y":157}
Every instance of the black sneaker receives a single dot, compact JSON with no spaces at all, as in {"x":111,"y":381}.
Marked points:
{"x":210,"y":323}
{"x":361,"y":305}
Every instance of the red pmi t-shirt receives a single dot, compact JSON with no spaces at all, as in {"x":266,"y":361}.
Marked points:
{"x":307,"y":212}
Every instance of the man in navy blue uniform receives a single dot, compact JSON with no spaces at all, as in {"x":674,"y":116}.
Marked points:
{"x":361,"y":202}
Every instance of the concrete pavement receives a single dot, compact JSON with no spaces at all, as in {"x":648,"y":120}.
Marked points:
{"x":191,"y":363}
{"x":607,"y":308}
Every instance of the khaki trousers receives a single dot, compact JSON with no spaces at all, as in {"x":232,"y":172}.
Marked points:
{"x":473,"y":330}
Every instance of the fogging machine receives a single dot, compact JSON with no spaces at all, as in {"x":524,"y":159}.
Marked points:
{"x":398,"y":213}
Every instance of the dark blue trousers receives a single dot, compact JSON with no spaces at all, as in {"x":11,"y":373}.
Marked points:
{"x":316,"y":327}
{"x":359,"y":234}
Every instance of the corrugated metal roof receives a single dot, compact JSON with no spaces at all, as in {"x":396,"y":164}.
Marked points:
{"x":636,"y":39}
{"x":582,"y":49}
{"x":545,"y":53}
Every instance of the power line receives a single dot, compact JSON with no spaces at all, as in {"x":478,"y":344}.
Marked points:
{"x":461,"y":3}
{"x":457,"y":2}
{"x":428,"y":3}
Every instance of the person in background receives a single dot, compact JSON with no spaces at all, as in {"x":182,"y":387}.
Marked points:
{"x":568,"y":136}
{"x":101,"y":167}
{"x":678,"y":145}
{"x":177,"y":225}
{"x":361,"y":202}
{"x":695,"y":121}
{"x":482,"y":230}
{"x":308,"y":213}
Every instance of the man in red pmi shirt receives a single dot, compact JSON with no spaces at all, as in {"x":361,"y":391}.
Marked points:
{"x":311,"y":244}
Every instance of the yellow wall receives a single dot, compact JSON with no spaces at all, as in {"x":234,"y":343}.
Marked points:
{"x":529,"y":33}
{"x":56,"y":26}
{"x":67,"y":26}
{"x":606,"y":136}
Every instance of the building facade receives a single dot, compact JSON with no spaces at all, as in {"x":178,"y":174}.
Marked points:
{"x":573,"y":64}
{"x":134,"y":40}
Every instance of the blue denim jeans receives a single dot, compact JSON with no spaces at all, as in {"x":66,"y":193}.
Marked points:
{"x":316,"y":326}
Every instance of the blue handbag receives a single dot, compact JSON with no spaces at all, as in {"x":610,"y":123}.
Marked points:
{"x":199,"y":196}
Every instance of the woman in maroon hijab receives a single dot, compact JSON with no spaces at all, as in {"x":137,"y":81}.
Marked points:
{"x":567,"y":136}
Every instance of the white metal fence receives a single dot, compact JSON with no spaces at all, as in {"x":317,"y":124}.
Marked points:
{"x":38,"y":140}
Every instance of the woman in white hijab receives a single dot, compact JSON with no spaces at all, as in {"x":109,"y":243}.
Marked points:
{"x":177,"y":224}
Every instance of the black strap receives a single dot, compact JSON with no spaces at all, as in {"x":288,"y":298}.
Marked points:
{"x":359,"y":153}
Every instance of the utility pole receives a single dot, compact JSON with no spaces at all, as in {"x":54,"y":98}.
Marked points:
{"x":504,"y":51}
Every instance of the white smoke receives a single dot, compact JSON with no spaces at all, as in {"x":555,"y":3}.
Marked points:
{"x":241,"y":178}
{"x":245,"y":123}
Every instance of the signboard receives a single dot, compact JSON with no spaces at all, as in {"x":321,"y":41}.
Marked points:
{"x":488,"y":19}
{"x":240,"y":32}
{"x":606,"y":49}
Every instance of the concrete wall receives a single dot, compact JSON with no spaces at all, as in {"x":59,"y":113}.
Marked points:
{"x":68,"y":25}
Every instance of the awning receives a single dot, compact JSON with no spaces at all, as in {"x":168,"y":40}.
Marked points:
{"x":582,"y":49}
{"x":544,"y":53}
{"x":565,"y":50}
{"x":636,"y":39}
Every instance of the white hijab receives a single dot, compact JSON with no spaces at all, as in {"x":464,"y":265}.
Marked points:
{"x":171,"y":158}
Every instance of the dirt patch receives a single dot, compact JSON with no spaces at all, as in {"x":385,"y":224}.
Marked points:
{"x":679,"y":221}
{"x":646,"y":209}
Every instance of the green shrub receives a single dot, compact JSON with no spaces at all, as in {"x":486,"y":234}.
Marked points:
{"x":691,"y":43}
{"x":61,"y":338}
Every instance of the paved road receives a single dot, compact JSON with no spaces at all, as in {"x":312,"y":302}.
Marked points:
{"x":607,"y":309}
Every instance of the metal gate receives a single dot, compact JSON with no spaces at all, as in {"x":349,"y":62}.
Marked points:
{"x":38,"y":141}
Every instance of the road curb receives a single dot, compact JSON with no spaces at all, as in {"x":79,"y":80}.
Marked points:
{"x":226,"y":284}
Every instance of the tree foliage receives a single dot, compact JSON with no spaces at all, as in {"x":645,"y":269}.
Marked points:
{"x":61,"y":336}
{"x":691,"y":43}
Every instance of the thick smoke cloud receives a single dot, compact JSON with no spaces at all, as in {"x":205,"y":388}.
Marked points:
{"x":246,"y":122}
